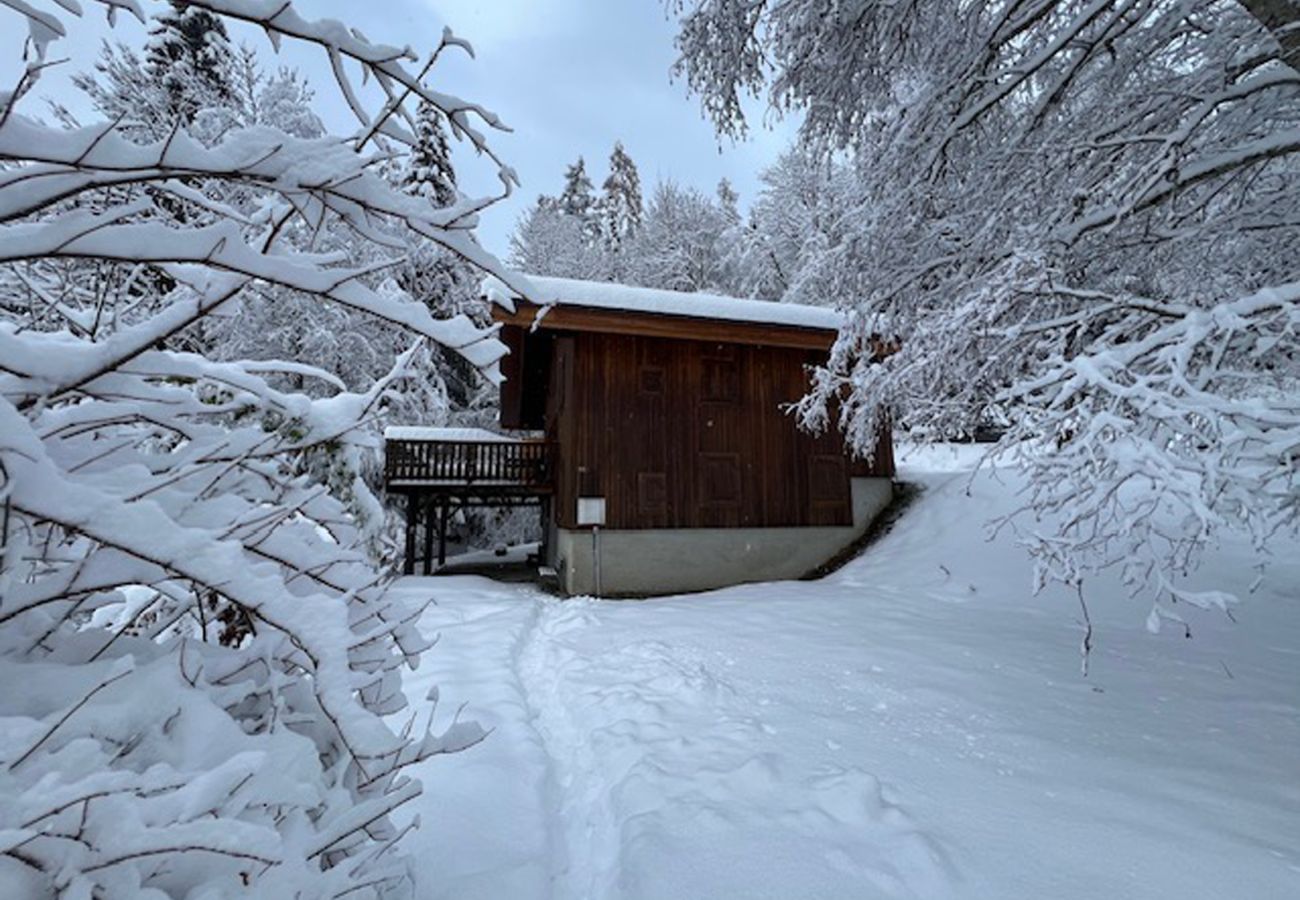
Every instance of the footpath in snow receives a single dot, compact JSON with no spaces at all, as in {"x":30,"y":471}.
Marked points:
{"x":915,"y":725}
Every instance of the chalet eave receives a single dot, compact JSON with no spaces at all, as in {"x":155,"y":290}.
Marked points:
{"x":570,"y":317}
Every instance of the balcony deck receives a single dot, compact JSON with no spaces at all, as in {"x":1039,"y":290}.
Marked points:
{"x":464,"y":460}
{"x":441,"y":468}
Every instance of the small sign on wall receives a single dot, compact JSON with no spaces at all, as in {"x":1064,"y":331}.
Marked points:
{"x":591,"y":510}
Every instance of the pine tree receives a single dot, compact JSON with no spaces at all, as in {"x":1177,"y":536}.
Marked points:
{"x":728,"y":201}
{"x":620,"y":206}
{"x":429,"y":172}
{"x":189,"y":53}
{"x":437,"y":278}
{"x":576,"y":199}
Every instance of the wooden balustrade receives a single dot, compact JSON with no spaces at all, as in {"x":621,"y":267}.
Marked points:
{"x":413,"y":463}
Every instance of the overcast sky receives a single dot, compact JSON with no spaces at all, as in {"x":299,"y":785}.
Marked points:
{"x":570,"y":77}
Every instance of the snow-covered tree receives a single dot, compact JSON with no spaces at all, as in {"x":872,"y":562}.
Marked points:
{"x":728,"y":201}
{"x":679,"y":244}
{"x":548,"y":241}
{"x":680,"y":241}
{"x":768,"y":256}
{"x":578,"y":200}
{"x":452,"y":391}
{"x":188,"y":592}
{"x":274,"y":322}
{"x":620,"y":200}
{"x":429,"y":172}
{"x":563,"y":236}
{"x":189,"y":55}
{"x":439,"y":279}
{"x":731,"y":275}
{"x":283,"y":99}
{"x":1085,"y":213}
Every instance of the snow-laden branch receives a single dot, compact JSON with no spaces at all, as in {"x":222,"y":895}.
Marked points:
{"x":193,"y":587}
{"x":1081,"y":219}
{"x":383,"y":63}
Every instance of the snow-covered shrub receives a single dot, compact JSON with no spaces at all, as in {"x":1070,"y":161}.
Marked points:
{"x":197,"y":648}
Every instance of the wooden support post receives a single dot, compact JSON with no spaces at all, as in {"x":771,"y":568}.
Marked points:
{"x":428,"y":535}
{"x":412,"y":517}
{"x":544,"y":545}
{"x":442,"y":532}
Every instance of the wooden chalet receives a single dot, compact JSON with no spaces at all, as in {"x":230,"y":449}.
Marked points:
{"x":656,"y":438}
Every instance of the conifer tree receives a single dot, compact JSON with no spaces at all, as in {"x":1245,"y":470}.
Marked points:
{"x":620,"y":206}
{"x":429,"y":173}
{"x":189,"y":53}
{"x":576,"y":199}
{"x":440,"y":280}
{"x":728,"y":201}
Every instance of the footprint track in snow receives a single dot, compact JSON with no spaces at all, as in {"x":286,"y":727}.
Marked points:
{"x":645,"y":739}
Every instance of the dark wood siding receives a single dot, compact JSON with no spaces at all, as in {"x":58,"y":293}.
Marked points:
{"x":690,"y":434}
{"x":526,"y":369}
{"x":512,"y":370}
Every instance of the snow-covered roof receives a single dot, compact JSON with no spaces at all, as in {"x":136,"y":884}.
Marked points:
{"x":655,"y":301}
{"x":449,"y":435}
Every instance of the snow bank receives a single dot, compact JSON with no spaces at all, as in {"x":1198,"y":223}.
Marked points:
{"x":915,"y":725}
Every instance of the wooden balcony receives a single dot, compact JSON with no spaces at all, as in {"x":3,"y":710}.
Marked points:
{"x":439,"y":470}
{"x":444,"y":459}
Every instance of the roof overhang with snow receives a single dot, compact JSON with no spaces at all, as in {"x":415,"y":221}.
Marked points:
{"x":564,"y":304}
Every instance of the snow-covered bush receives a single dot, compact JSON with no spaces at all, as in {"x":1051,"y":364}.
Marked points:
{"x":197,"y":648}
{"x":1080,"y":216}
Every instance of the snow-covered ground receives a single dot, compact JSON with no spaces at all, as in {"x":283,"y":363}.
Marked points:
{"x":915,"y":725}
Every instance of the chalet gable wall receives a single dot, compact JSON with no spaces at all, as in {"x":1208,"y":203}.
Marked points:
{"x":681,"y":434}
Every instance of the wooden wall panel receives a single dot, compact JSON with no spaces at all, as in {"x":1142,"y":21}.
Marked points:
{"x":649,"y":435}
{"x":689,"y":434}
{"x":512,"y":370}
{"x":527,"y":371}
{"x":562,"y":429}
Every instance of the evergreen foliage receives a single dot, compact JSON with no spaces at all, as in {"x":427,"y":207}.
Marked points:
{"x":728,"y":201}
{"x":620,"y":201}
{"x":577,"y":198}
{"x":189,"y":54}
{"x":429,"y":172}
{"x":454,"y":391}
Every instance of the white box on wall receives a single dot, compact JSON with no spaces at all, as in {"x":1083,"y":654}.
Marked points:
{"x":591,"y":510}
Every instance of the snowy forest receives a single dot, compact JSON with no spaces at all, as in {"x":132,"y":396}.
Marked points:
{"x":1043,"y":253}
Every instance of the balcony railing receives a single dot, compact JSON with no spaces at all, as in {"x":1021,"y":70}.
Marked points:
{"x":439,"y":463}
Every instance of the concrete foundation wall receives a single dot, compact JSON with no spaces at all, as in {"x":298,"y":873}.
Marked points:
{"x":668,"y":561}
